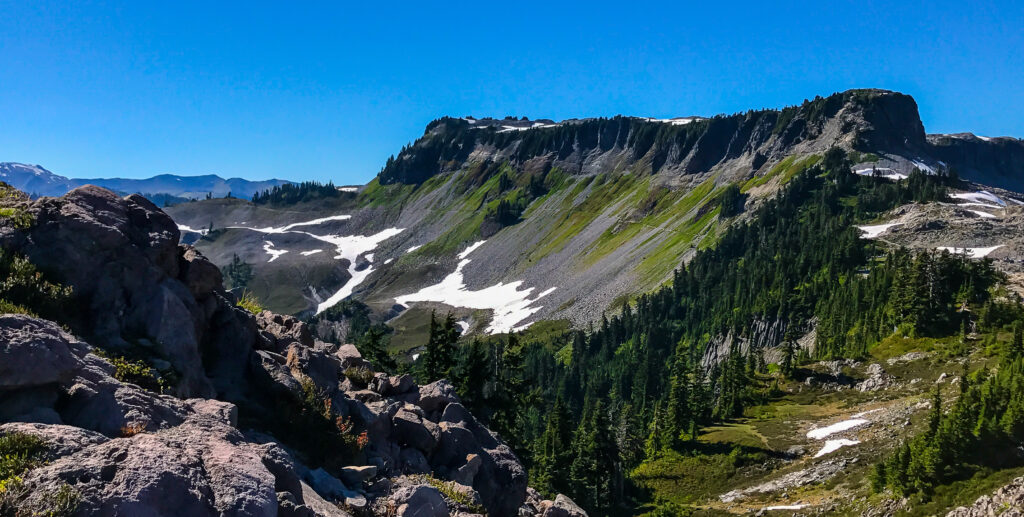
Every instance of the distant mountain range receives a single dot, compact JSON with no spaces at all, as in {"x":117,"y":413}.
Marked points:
{"x":37,"y":181}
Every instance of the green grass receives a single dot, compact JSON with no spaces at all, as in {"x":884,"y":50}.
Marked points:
{"x":785,"y":170}
{"x":19,"y":452}
{"x":684,"y":479}
{"x":249,"y":302}
{"x":734,"y":433}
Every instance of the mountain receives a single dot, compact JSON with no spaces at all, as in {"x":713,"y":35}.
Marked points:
{"x":575,"y":217}
{"x":36,"y":180}
{"x":810,"y":311}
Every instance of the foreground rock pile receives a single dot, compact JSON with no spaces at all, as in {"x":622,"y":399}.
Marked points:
{"x":125,"y":450}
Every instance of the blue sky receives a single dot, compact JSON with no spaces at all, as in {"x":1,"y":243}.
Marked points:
{"x":327,"y":91}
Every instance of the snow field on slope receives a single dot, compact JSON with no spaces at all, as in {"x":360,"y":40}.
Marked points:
{"x":838,"y":427}
{"x":971,"y":252}
{"x":874,"y":230}
{"x":509,"y":304}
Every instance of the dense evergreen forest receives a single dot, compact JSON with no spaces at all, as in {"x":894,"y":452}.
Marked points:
{"x":291,"y":193}
{"x":584,"y":408}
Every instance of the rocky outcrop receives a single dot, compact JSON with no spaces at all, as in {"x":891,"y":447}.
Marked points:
{"x":127,"y":450}
{"x":1007,"y":501}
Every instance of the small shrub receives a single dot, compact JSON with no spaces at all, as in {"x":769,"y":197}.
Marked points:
{"x":249,"y":302}
{"x":132,"y":429}
{"x":359,"y":375}
{"x":18,"y":453}
{"x":24,"y":290}
{"x":136,"y":372}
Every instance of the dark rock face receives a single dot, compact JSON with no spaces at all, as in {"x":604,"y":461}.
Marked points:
{"x":991,"y":161}
{"x":121,"y":258}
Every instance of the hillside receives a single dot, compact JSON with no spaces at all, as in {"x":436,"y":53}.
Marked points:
{"x":811,"y":311}
{"x":575,"y":217}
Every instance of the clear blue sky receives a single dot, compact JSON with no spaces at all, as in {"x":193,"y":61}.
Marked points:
{"x":328,"y":91}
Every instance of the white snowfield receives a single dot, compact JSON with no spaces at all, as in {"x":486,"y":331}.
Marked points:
{"x":310,"y":252}
{"x":883,"y":172}
{"x":785,"y":507}
{"x":679,"y":121}
{"x":347,"y":247}
{"x":971,"y":252}
{"x":509,"y":304}
{"x":184,"y":228}
{"x":413,"y":248}
{"x":350,"y":247}
{"x":835,"y":445}
{"x":845,"y":425}
{"x":463,"y":326}
{"x":985,"y":215}
{"x":283,"y":229}
{"x":874,"y":230}
{"x":983,"y":196}
{"x":269,"y":248}
{"x":536,"y":125}
{"x":348,"y":189}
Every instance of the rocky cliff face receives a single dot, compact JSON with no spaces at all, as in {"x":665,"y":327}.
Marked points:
{"x":236,"y":433}
{"x":881,"y":122}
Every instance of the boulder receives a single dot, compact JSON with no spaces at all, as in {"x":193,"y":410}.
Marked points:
{"x":354,"y":476}
{"x":61,"y":440}
{"x":35,"y":352}
{"x":411,"y":429}
{"x":419,"y":501}
{"x":564,"y":507}
{"x":436,"y":395}
{"x":199,"y":275}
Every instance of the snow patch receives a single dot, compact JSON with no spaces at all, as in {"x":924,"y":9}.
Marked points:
{"x":883,"y":172}
{"x":310,"y":252}
{"x":464,"y":326}
{"x":348,"y":189}
{"x":678,"y":121}
{"x":509,"y":304}
{"x":970,"y":252}
{"x":835,"y":445}
{"x":413,"y":248}
{"x":350,"y":247}
{"x":269,"y":248}
{"x":785,"y":507}
{"x":983,"y":214}
{"x":822,"y":432}
{"x":184,"y":228}
{"x":874,"y":230}
{"x":982,"y":196}
{"x":388,"y":261}
{"x":283,"y":229}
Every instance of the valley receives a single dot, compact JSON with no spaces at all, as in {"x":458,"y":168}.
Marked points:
{"x":808,"y":311}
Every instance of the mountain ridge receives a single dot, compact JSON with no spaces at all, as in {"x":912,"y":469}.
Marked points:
{"x":37,"y":180}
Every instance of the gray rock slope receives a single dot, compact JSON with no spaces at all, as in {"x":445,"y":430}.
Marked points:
{"x":129,"y":451}
{"x":632,"y":199}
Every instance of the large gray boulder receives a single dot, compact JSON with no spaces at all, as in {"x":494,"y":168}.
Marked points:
{"x":35,"y":353}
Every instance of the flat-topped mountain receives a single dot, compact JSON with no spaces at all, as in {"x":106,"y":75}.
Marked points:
{"x":510,"y":220}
